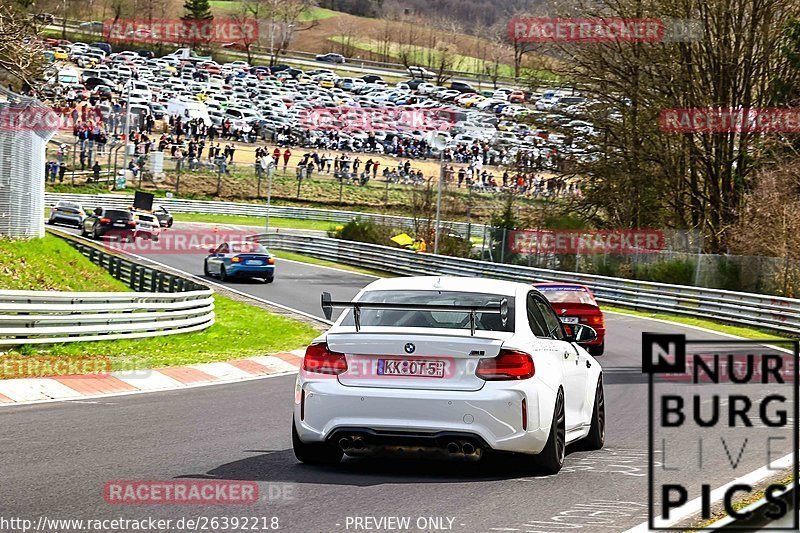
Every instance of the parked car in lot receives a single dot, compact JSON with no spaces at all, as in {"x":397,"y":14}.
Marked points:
{"x":240,"y":260}
{"x":147,"y":226}
{"x":103,"y":221}
{"x":420,"y":72}
{"x":330,"y":58}
{"x":70,"y":213}
{"x":450,"y":367}
{"x":575,"y":304}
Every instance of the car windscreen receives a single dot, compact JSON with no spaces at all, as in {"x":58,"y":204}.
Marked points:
{"x":433,"y":319}
{"x":118,"y":214}
{"x":247,"y":248}
{"x":70,"y":208}
{"x":567,"y":294}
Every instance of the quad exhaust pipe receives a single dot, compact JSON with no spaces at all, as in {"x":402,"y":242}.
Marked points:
{"x":354,"y":443}
{"x":464,"y":448}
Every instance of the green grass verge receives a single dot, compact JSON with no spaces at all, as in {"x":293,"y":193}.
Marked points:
{"x":240,"y":330}
{"x":421,"y":55}
{"x":280,"y":254}
{"x":308,"y":15}
{"x":50,"y":264}
{"x":747,"y":333}
{"x":274,"y":222}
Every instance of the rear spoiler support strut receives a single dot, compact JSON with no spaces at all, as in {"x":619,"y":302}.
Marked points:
{"x":328,"y":305}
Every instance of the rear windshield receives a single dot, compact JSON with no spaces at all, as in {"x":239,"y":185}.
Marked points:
{"x":433,"y":319}
{"x":117,"y":213}
{"x":567,"y":294}
{"x":66,"y":206}
{"x":247,"y":248}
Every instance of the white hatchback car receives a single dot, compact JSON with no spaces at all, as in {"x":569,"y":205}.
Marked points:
{"x":448,"y":367}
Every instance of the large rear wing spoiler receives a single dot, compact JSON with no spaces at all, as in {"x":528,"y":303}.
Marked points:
{"x":328,"y":304}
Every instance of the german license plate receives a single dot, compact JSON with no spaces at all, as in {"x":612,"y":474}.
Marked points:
{"x":119,"y":224}
{"x":415,"y":368}
{"x":253,"y":262}
{"x":569,"y":319}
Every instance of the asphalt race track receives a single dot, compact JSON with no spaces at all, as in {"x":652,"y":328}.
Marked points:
{"x":58,"y":456}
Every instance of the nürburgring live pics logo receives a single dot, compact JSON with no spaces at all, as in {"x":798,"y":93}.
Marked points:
{"x":718,"y":410}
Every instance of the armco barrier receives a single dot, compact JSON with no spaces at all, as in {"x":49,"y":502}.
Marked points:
{"x":170,"y":306}
{"x":179,"y":205}
{"x":742,"y":309}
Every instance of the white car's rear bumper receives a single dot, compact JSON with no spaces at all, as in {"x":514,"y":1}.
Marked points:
{"x":493,"y":414}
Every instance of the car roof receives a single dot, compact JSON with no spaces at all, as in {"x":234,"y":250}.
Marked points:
{"x":447,"y":283}
{"x":561,"y":284}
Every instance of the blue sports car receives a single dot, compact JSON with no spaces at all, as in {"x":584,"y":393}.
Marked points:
{"x":240,"y":260}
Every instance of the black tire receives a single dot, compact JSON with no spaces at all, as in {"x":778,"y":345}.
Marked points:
{"x":269,"y":280}
{"x":316,"y":453}
{"x":206,"y":271}
{"x":597,"y":432}
{"x":169,"y":223}
{"x":95,"y":234}
{"x":50,"y":221}
{"x":551,"y":458}
{"x":596,"y":349}
{"x":222,"y":274}
{"x":83,"y":231}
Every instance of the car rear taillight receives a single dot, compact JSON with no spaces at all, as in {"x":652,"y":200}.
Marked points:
{"x":592,"y":320}
{"x":236,"y":259}
{"x":508,"y":365}
{"x":320,"y":360}
{"x":271,"y":261}
{"x":131,"y":223}
{"x":105,"y":221}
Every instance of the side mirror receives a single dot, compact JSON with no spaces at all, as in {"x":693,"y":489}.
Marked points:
{"x":582,"y":334}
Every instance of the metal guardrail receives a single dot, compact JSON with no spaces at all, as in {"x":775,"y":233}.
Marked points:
{"x":179,"y":205}
{"x":165,"y":305}
{"x":737,"y":308}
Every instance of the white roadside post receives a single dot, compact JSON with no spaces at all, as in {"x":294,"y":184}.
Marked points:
{"x":439,"y":142}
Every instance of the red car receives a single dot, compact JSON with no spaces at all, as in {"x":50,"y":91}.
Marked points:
{"x":575,"y":304}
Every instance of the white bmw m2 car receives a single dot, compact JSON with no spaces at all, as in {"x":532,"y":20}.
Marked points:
{"x":448,"y":367}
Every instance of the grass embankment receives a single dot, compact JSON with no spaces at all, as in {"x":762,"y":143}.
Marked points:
{"x":240,"y":330}
{"x":322,"y":191}
{"x":260,"y":222}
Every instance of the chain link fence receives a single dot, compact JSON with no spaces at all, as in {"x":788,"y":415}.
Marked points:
{"x":22,"y":152}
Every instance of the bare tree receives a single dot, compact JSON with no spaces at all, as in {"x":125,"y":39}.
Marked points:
{"x":21,"y":56}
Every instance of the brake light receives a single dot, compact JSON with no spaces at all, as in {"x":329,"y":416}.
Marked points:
{"x":508,"y":365}
{"x":592,"y":320}
{"x":105,"y":221}
{"x":236,"y":259}
{"x":271,"y":261}
{"x":131,"y":223}
{"x":320,"y":360}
